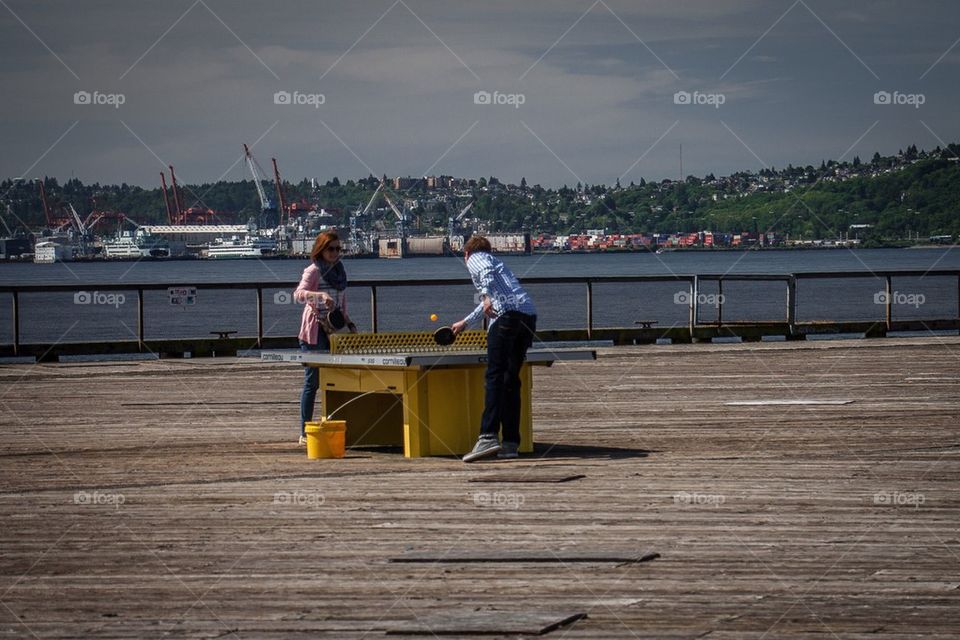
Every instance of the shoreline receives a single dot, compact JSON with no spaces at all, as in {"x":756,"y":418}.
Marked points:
{"x":535,"y":252}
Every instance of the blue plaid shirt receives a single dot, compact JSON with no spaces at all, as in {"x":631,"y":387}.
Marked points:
{"x":494,"y":280}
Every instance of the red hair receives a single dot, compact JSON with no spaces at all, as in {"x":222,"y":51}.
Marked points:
{"x":321,"y":243}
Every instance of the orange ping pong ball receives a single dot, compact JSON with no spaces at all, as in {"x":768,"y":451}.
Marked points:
{"x":434,"y":317}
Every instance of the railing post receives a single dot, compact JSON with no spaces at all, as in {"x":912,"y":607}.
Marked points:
{"x":694,"y":291}
{"x":373,"y":308}
{"x":720,"y":302}
{"x":889,"y":301}
{"x":16,"y":323}
{"x":589,"y":310}
{"x":259,"y":318}
{"x":140,"y":328}
{"x":792,"y":304}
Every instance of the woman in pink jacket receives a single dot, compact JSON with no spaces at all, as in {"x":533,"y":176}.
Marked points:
{"x":322,"y":288}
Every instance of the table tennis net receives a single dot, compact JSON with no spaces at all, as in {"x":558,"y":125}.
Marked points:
{"x":403,"y":342}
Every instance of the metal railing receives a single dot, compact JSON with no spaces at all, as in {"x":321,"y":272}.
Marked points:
{"x":790,"y":325}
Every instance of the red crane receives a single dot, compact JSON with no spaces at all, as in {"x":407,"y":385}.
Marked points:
{"x":63,"y":217}
{"x":166,"y":199}
{"x":281,"y":200}
{"x":176,"y":198}
{"x":43,"y":199}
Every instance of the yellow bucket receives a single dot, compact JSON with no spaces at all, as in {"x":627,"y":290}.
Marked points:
{"x":326,"y":439}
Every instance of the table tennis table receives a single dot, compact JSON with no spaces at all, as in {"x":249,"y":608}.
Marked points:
{"x":428,"y":402}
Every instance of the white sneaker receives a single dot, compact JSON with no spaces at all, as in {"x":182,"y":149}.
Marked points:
{"x":486,"y":447}
{"x":303,"y":441}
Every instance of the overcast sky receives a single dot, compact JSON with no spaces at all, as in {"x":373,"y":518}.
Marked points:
{"x":588,"y":90}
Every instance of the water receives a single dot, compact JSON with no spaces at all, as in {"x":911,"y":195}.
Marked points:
{"x":50,"y":317}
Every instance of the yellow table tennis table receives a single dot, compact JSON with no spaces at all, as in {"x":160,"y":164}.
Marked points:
{"x":427,"y":399}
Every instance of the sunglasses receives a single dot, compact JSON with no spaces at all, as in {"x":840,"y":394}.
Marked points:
{"x":337,"y":248}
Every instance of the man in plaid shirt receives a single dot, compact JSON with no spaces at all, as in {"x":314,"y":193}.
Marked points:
{"x":513,"y":324}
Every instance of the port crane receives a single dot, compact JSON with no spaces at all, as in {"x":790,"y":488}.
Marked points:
{"x":178,"y":208}
{"x":166,"y":198}
{"x":357,"y":237}
{"x":68,"y":216}
{"x":175,"y":205}
{"x":383,"y":191}
{"x":401,"y":215}
{"x":53,"y":222}
{"x":81,"y":228}
{"x":453,"y":221}
{"x":283,"y":207}
{"x":268,"y":208}
{"x":43,"y":200}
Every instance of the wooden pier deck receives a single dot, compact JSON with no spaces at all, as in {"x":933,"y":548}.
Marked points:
{"x":167,"y":499}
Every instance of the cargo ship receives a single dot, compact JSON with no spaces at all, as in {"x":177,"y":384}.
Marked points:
{"x":136,"y":244}
{"x":249,"y":247}
{"x":50,"y":251}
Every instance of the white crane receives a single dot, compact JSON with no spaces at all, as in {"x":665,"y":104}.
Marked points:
{"x":401,"y":215}
{"x":369,"y":206}
{"x":81,"y":228}
{"x":85,"y":226}
{"x":266,"y":204}
{"x":357,"y":236}
{"x":383,"y":190}
{"x":453,"y":223}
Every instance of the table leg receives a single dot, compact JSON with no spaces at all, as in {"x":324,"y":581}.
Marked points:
{"x":416,"y":438}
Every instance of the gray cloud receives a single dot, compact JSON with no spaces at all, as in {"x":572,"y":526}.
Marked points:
{"x":598,"y":97}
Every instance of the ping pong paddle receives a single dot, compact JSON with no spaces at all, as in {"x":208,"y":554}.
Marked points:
{"x":444,"y":336}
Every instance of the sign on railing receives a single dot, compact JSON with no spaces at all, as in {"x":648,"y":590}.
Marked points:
{"x":182,"y":295}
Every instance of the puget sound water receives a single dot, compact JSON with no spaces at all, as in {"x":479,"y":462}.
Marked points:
{"x":67,"y":317}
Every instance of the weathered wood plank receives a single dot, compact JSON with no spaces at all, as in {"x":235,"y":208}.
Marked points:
{"x":526,"y":478}
{"x":164,"y":498}
{"x":486,"y":623}
{"x":497,"y":556}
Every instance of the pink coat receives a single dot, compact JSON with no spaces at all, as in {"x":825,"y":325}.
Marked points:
{"x":311,"y":283}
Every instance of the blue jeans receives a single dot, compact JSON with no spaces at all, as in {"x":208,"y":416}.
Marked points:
{"x":507,"y":342}
{"x":311,"y":379}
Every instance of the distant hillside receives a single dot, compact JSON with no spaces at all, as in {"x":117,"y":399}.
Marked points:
{"x":914,"y":193}
{"x":922,"y":198}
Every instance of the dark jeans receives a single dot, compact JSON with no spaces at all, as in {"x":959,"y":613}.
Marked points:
{"x":507,"y":342}
{"x":311,"y":379}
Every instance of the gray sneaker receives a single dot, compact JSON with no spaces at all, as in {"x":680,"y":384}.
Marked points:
{"x":486,"y":447}
{"x":509,"y":450}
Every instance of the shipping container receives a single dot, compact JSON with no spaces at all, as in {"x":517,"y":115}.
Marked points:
{"x":391,"y":248}
{"x":426,"y":246}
